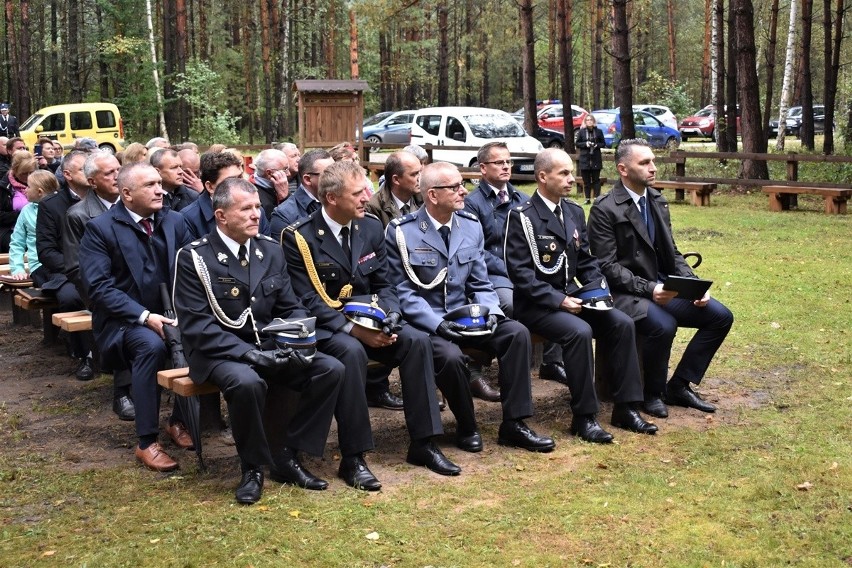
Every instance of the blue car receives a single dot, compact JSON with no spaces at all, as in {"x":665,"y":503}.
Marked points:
{"x":392,"y":129}
{"x":647,"y":126}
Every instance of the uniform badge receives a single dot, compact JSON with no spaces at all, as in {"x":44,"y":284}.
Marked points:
{"x":374,"y":301}
{"x":545,"y":258}
{"x":424,"y":225}
{"x":235,"y":291}
{"x":243,"y":263}
{"x":321,"y":232}
{"x":222,"y":258}
{"x":366,"y":257}
{"x":552,"y":246}
{"x":258,"y":254}
{"x":357,"y":227}
{"x":475,"y":310}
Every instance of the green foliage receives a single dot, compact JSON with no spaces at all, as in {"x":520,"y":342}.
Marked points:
{"x":661,"y":91}
{"x":201,"y":88}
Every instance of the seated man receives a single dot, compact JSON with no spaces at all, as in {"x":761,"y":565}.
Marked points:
{"x":436,"y":261}
{"x":176,"y":194}
{"x":229,"y":286}
{"x":340,"y":247}
{"x":546,"y":254}
{"x":630,"y":232}
{"x":304,"y":201}
{"x":129,"y":251}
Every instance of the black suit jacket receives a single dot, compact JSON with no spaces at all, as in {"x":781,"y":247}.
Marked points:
{"x":50,"y":224}
{"x":11,"y":128}
{"x":589,"y":158}
{"x":534,"y":288}
{"x":630,"y":261}
{"x":366,"y":269}
{"x":264,"y":286}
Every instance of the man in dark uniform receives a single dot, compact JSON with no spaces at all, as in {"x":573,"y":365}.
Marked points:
{"x":337,"y":248}
{"x":9,"y":126}
{"x":304,"y":201}
{"x":129,"y":251}
{"x":436,"y":260}
{"x":491,"y":202}
{"x":229,"y":286}
{"x":547,"y":252}
{"x":630,"y":232}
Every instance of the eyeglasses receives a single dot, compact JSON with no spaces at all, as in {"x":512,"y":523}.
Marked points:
{"x":453,"y":187}
{"x":501,"y":163}
{"x":312,"y":174}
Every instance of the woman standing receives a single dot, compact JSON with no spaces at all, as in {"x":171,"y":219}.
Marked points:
{"x":589,"y":141}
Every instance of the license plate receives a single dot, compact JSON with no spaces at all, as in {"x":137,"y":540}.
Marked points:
{"x":526,"y":167}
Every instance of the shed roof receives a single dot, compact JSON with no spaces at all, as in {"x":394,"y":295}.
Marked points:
{"x":331,"y":86}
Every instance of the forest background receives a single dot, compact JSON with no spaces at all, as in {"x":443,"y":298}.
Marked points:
{"x":226,"y":69}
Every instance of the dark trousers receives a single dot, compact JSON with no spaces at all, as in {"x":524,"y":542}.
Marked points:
{"x":591,"y":182}
{"x":659,"y":327}
{"x":257,"y":406}
{"x":412,"y":353}
{"x":512,"y":345}
{"x":145,"y":352}
{"x":353,"y":417}
{"x":615,"y":335}
{"x":550,"y":352}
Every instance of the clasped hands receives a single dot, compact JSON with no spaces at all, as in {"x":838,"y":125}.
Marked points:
{"x":280,"y":359}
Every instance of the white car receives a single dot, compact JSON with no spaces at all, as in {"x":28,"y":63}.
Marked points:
{"x":661,"y":113}
{"x":472,"y":126}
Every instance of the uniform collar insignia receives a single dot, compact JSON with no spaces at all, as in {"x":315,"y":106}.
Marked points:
{"x":424,"y":226}
{"x":222,"y":258}
{"x":258,"y":254}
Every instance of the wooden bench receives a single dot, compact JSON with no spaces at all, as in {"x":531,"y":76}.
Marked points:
{"x":32,"y":299}
{"x":835,"y":197}
{"x":700,"y":191}
{"x":73,"y":321}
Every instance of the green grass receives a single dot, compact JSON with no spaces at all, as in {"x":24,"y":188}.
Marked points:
{"x":721,"y":492}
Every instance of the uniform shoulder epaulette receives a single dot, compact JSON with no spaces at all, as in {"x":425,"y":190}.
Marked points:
{"x":371,"y":216}
{"x":291,"y":228}
{"x":523,"y":206}
{"x":263,"y":237}
{"x":467,"y":215}
{"x":197,"y":243}
{"x":404,"y":219}
{"x":573,"y":203}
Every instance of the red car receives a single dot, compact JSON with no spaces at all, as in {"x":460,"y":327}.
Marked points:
{"x":702,"y":124}
{"x":551,"y":115}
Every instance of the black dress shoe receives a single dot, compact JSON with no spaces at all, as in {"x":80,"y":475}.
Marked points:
{"x":553,"y":372}
{"x":480,"y":388}
{"x":291,"y":472}
{"x":588,"y":429}
{"x":251,"y":486}
{"x":385,"y":400}
{"x":469,"y":442}
{"x":654,"y":406}
{"x":354,"y":471}
{"x":123,"y":406}
{"x":429,"y":455}
{"x":678,"y":393}
{"x":85,"y":371}
{"x":625,"y":416}
{"x":518,"y":435}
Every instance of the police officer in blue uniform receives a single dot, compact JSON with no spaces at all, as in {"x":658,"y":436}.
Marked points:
{"x":436,"y":259}
{"x":547,"y":252}
{"x":338,"y":253}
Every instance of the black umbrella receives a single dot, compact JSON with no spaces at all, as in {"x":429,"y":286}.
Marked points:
{"x":188,"y":407}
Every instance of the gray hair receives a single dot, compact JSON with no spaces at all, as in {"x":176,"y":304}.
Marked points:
{"x":156,"y":158}
{"x":263,"y":160}
{"x":333,"y":179}
{"x":155,"y":142}
{"x":223,"y":197}
{"x":90,"y":168}
{"x":418,"y":151}
{"x":126,"y":173}
{"x":625,"y":148}
{"x":284,"y":146}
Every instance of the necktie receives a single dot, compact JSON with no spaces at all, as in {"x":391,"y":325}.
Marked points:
{"x":344,"y":242}
{"x":146,"y":224}
{"x":242,"y":254}
{"x":503,"y":196}
{"x":558,"y":212}
{"x":646,"y":216}
{"x":405,"y":209}
{"x":445,"y":234}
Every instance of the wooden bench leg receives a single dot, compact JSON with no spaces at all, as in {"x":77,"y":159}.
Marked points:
{"x":776,"y":202}
{"x":835,"y":205}
{"x":678,"y":194}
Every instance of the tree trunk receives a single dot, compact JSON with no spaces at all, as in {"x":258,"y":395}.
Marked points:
{"x":154,"y":65}
{"x":787,"y":82}
{"x":706,"y":84}
{"x":353,"y":46}
{"x":621,"y":77}
{"x":102,"y":63}
{"x":266,"y":63}
{"x":553,"y":24}
{"x":24,"y":62}
{"x":746,"y":62}
{"x":443,"y":55}
{"x":54,"y":53}
{"x":832,"y":55}
{"x":719,"y":71}
{"x":564,"y":16}
{"x":528,"y":63}
{"x":597,"y":69}
{"x":672,"y":43}
{"x":74,"y":51}
{"x":770,"y":67}
{"x":180,"y":65}
{"x":806,"y":130}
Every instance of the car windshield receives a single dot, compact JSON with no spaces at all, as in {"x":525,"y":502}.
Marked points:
{"x":706,"y":112}
{"x":604,"y":118}
{"x":30,"y":121}
{"x":494,"y":126}
{"x":377,"y":118}
{"x":795,"y":111}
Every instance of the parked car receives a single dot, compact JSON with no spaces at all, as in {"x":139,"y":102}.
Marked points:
{"x":553,"y":116}
{"x":394,"y":128}
{"x":702,"y":124}
{"x":662,"y":113}
{"x":377,"y":118}
{"x":648,"y":127}
{"x":472,"y":126}
{"x":550,"y":138}
{"x":794,"y":121}
{"x":66,"y":123}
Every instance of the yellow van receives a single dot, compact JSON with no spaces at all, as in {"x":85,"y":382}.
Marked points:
{"x":66,"y":123}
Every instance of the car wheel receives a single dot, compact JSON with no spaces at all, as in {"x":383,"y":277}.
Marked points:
{"x":684,"y":137}
{"x":374,"y":140}
{"x":555,"y":144}
{"x":672,"y":144}
{"x":107,"y":148}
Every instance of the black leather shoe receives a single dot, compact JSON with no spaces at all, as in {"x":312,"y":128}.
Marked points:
{"x":429,"y":455}
{"x":553,"y":372}
{"x":625,"y":416}
{"x":480,"y":388}
{"x":85,"y":371}
{"x":354,"y":471}
{"x":678,"y":393}
{"x":588,"y":429}
{"x":516,"y":434}
{"x":123,"y":406}
{"x":385,"y":400}
{"x":470,"y":442}
{"x":654,"y":406}
{"x":290,"y":471}
{"x":251,"y":486}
